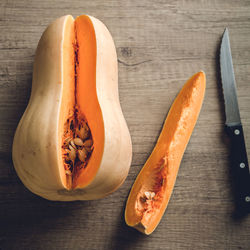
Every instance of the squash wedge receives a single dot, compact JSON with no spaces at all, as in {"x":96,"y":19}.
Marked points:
{"x":153,"y":187}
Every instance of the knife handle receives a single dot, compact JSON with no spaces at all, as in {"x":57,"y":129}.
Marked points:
{"x":240,"y":167}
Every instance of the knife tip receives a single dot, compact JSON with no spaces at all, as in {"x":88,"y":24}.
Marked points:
{"x":225,"y":35}
{"x":225,"y":31}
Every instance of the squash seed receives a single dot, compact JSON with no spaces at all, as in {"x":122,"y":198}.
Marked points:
{"x":78,"y":141}
{"x":68,"y":172}
{"x":72,"y":144}
{"x":67,"y":141}
{"x":149,"y":195}
{"x":82,"y":154}
{"x":88,"y":143}
{"x":83,"y":132}
{"x":72,"y":153}
{"x":89,"y":149}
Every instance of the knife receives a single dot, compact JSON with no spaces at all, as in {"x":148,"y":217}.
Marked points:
{"x":240,"y":167}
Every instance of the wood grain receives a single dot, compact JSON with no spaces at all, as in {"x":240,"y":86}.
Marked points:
{"x":159,"y":44}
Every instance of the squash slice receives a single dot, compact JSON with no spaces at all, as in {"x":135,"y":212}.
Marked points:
{"x":153,"y":187}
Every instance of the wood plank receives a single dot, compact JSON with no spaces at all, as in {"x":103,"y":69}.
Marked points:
{"x":159,"y":45}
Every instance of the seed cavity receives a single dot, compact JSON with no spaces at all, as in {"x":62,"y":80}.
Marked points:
{"x":77,"y":144}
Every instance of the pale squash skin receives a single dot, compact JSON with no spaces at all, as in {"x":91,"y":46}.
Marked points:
{"x":36,"y":148}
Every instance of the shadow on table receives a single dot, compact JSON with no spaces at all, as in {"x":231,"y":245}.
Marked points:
{"x":26,"y":209}
{"x":125,"y":237}
{"x":24,"y":215}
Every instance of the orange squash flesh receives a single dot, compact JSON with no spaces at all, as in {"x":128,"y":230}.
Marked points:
{"x":81,"y":96}
{"x":88,"y":103}
{"x":153,"y":187}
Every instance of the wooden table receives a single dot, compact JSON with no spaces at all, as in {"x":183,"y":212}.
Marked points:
{"x":160,"y":44}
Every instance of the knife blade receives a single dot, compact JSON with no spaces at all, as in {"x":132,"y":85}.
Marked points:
{"x":240,"y":167}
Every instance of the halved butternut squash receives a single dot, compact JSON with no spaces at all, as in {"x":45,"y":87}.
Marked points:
{"x":72,"y":142}
{"x":153,"y":187}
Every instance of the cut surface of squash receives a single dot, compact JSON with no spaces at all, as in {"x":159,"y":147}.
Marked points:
{"x":84,"y":122}
{"x":152,"y":189}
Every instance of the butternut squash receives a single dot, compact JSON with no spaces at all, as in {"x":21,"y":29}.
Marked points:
{"x":152,"y":189}
{"x":73,"y":142}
